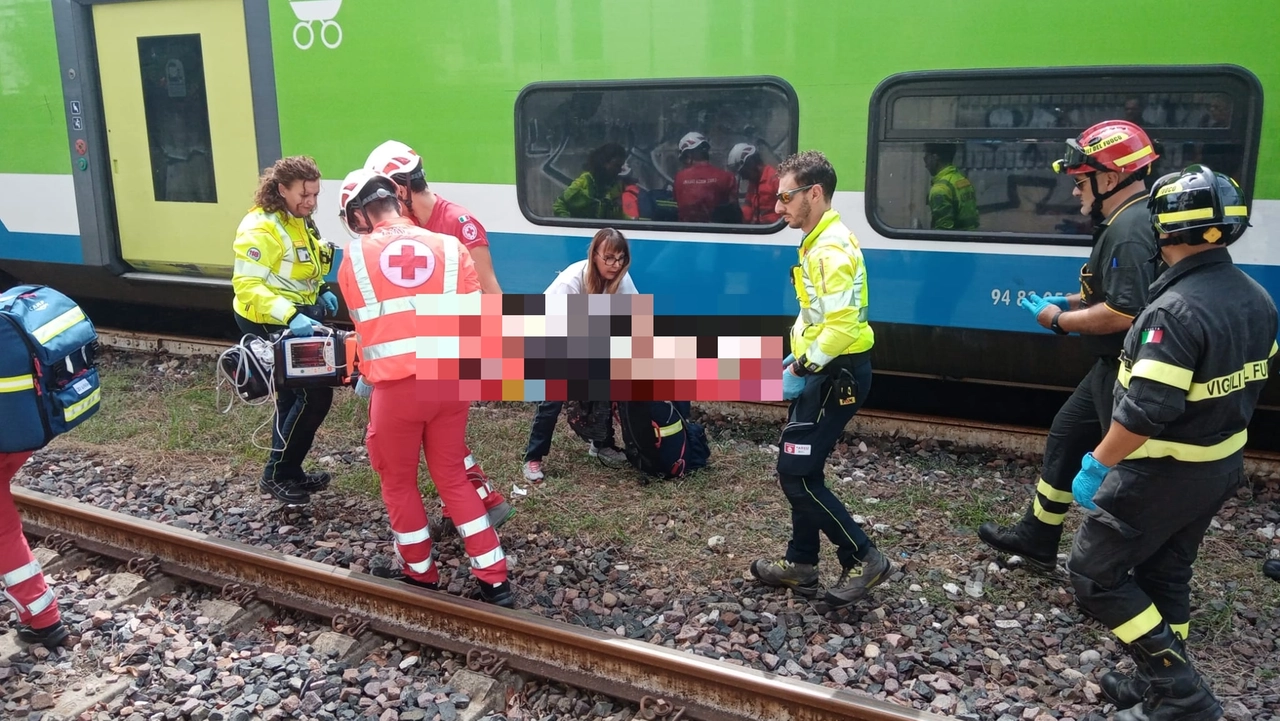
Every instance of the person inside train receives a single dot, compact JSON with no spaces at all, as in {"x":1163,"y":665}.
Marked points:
{"x":278,"y":278}
{"x":701,"y":189}
{"x":407,"y":418}
{"x":636,"y":203}
{"x":604,"y":270}
{"x":761,"y":181}
{"x":430,"y":211}
{"x":1193,"y":366}
{"x":826,"y":378}
{"x":597,"y":193}
{"x":953,"y":203}
{"x":1109,"y":163}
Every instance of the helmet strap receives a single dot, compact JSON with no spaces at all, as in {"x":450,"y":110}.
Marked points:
{"x":1095,"y":212}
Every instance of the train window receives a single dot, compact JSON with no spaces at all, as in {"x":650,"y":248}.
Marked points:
{"x":691,"y":154}
{"x":967,"y":155}
{"x":177,"y":112}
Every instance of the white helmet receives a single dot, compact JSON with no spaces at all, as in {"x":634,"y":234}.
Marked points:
{"x":693,"y":140}
{"x":739,"y":155}
{"x":394,"y":158}
{"x":357,"y":188}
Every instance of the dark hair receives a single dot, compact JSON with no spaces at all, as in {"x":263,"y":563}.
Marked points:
{"x":601,"y":156}
{"x":387,"y":205}
{"x":286,"y":171}
{"x":810,"y":167}
{"x":946,"y":152}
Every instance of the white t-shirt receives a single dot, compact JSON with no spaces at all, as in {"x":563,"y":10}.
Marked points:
{"x":572,"y":280}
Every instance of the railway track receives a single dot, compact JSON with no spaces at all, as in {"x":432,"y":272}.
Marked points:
{"x":667,"y":684}
{"x":968,"y":433}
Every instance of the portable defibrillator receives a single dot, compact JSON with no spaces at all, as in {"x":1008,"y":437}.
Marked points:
{"x":325,"y":359}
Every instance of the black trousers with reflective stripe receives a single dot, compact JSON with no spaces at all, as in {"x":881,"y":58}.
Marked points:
{"x":299,"y":411}
{"x":1150,"y":523}
{"x":1077,"y":429}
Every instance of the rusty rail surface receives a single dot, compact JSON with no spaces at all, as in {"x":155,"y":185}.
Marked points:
{"x":670,"y":684}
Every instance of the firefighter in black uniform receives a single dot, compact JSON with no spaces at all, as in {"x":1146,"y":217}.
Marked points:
{"x":1109,"y":163}
{"x":1192,"y":369}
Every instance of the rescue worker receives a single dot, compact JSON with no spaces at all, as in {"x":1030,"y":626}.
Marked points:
{"x":597,"y":193}
{"x":392,"y":262}
{"x":280,"y":266}
{"x":826,"y":378}
{"x":1193,"y":366}
{"x":701,"y":189}
{"x":39,"y":620}
{"x":953,"y":204}
{"x":432,"y":212}
{"x":762,"y":184}
{"x":1108,"y":162}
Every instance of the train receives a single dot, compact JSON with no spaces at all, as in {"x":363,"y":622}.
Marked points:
{"x":135,"y":132}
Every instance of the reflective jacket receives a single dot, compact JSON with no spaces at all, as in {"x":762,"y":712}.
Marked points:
{"x":382,"y":276}
{"x":280,"y":262}
{"x":761,"y":198}
{"x":586,"y":198}
{"x":1194,"y":364}
{"x":953,"y":205}
{"x":831,"y":285}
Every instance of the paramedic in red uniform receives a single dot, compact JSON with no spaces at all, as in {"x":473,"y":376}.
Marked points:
{"x":762,"y":184}
{"x":24,"y":586}
{"x":392,"y":262}
{"x":700,"y":187}
{"x":428,"y":210}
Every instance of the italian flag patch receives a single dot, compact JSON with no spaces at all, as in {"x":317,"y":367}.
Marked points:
{"x":1152,"y":335}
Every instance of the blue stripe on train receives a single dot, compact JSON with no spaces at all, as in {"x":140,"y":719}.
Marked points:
{"x":45,"y":247}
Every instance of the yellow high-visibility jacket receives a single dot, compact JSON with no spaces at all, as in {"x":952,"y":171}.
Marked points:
{"x":280,"y":263}
{"x":831,"y":285}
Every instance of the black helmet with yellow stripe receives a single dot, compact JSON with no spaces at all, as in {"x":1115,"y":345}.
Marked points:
{"x":1197,"y":206}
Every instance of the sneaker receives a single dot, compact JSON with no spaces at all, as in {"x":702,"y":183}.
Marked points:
{"x":799,"y":577}
{"x":533,"y":471}
{"x":500,"y":514}
{"x":51,"y":636}
{"x":856,"y":581}
{"x":284,"y":490}
{"x":313,"y":482}
{"x":608,"y":453}
{"x":498,"y":594}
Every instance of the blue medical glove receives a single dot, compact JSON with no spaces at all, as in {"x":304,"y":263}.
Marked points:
{"x":330,"y":302}
{"x":1034,"y":303}
{"x":302,"y":325}
{"x":1087,"y":480}
{"x":792,"y":385}
{"x":364,"y":390}
{"x":1058,"y":300}
{"x":790,"y":359}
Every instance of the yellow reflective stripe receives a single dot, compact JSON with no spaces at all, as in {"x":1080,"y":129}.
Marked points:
{"x":1053,"y":494}
{"x":13,"y":384}
{"x":1053,"y":519}
{"x":1166,"y":373}
{"x":280,"y":308}
{"x":1139,"y":625}
{"x":1234,"y":210}
{"x":1181,"y":215}
{"x":51,"y":329}
{"x":1134,"y":156}
{"x":670,"y":430}
{"x":74,"y":411}
{"x":1274,"y":347}
{"x":1230,"y":383}
{"x":1155,"y":448}
{"x":1181,"y":629}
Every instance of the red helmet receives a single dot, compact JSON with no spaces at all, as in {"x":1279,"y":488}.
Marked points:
{"x":1112,"y":145}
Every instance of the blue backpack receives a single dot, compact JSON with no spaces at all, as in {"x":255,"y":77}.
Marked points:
{"x":659,"y":440}
{"x":48,"y":381}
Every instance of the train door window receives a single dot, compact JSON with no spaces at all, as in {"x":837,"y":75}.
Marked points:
{"x":967,"y":155}
{"x":669,"y":154}
{"x":177,"y":112}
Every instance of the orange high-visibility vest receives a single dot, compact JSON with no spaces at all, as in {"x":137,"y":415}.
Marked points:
{"x":381,"y":275}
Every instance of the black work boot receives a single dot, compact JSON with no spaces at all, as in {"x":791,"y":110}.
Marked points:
{"x":499,"y":594}
{"x":1125,"y":691}
{"x":1271,"y":569}
{"x":313,"y":482}
{"x":1176,"y":691}
{"x":51,"y":636}
{"x":1031,"y":538}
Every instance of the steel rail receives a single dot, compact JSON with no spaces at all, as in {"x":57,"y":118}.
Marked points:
{"x":675,"y":683}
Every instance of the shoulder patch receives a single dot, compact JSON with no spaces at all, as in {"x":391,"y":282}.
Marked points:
{"x":1152,"y":335}
{"x":463,"y":218}
{"x":469,"y":231}
{"x":254,"y":254}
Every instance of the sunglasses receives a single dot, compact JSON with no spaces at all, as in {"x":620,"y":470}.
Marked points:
{"x":785,"y":196}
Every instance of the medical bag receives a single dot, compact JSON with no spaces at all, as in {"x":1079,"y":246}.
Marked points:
{"x":659,"y":440}
{"x":48,"y":378}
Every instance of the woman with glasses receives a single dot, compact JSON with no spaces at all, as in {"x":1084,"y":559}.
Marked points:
{"x":603,"y":271}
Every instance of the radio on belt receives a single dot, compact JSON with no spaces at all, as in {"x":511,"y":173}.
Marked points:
{"x":314,"y":361}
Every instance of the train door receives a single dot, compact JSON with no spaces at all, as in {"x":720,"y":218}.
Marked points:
{"x":180,"y":129}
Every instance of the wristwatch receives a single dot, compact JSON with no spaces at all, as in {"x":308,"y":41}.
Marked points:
{"x":1057,"y":328}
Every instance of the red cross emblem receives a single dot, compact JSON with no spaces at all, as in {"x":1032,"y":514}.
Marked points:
{"x":407,"y":263}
